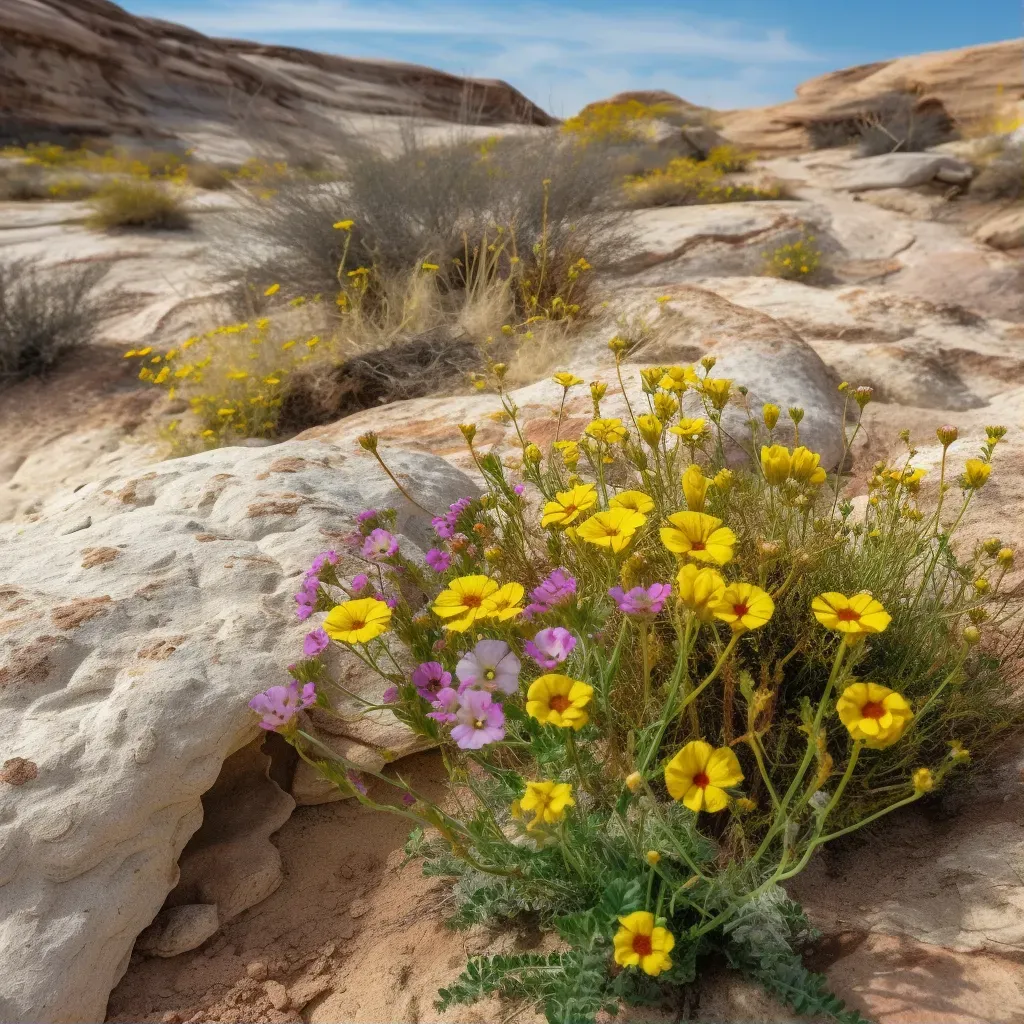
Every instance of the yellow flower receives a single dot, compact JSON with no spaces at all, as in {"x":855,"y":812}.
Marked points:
{"x":635,"y":500}
{"x":976,"y":473}
{"x":634,"y":780}
{"x":695,"y":487}
{"x":699,"y":536}
{"x":359,"y":621}
{"x":690,"y":429}
{"x":567,"y":380}
{"x":854,"y":615}
{"x":770,"y":411}
{"x":612,"y":529}
{"x":744,"y":606}
{"x":923,"y":780}
{"x":650,"y":428}
{"x":874,"y":714}
{"x":639,"y":943}
{"x":570,"y":452}
{"x":272,"y":290}
{"x":805,"y":466}
{"x":678,"y":378}
{"x":532,"y":454}
{"x":723,"y":480}
{"x":429,"y":266}
{"x":506,"y":602}
{"x":665,"y":406}
{"x":776,"y":462}
{"x":717,"y":390}
{"x":238,"y":375}
{"x":568,"y":505}
{"x":910,"y":478}
{"x":555,"y":699}
{"x":467,"y":599}
{"x":700,"y":590}
{"x":343,"y":225}
{"x":548,"y":800}
{"x":652,"y":857}
{"x":699,"y":775}
{"x":610,"y":431}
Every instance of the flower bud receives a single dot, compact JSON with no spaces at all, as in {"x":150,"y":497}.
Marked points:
{"x":862,"y":395}
{"x":976,"y":474}
{"x":468,"y":431}
{"x":1004,"y":556}
{"x":796,"y":414}
{"x":723,"y":480}
{"x":947,"y":435}
{"x":634,"y":782}
{"x":500,"y":369}
{"x":368,"y":442}
{"x":618,"y":345}
{"x":972,"y":635}
{"x":717,"y":389}
{"x":598,"y":390}
{"x":977,"y":615}
{"x":995,"y":434}
{"x":992,"y":545}
{"x":958,"y":752}
{"x":532,"y":454}
{"x":650,"y":428}
{"x":708,"y":362}
{"x":653,"y":857}
{"x":746,"y":804}
{"x":982,"y":585}
{"x":923,"y":780}
{"x":770,"y":412}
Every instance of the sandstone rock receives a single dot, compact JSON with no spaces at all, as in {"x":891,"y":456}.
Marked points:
{"x":1004,"y":231}
{"x":125,"y":746}
{"x":277,"y":994}
{"x":179,"y":929}
{"x":905,"y":170}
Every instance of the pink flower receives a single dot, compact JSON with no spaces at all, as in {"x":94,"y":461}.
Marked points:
{"x":480,"y":721}
{"x":366,"y":515}
{"x":355,"y":780}
{"x":489,"y":666}
{"x":360,"y":582}
{"x":642,"y":600}
{"x":518,"y":489}
{"x":438,"y":560}
{"x":408,"y":799}
{"x":314,"y":643}
{"x":558,"y":588}
{"x":390,"y":695}
{"x":444,"y":705}
{"x":280,"y":704}
{"x":442,"y":527}
{"x":550,"y":647}
{"x":379,"y":545}
{"x":430,"y":678}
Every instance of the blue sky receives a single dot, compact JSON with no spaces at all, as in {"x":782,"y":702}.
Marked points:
{"x":565,"y":53}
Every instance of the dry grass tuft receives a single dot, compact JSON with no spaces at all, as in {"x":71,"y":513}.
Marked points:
{"x":131,"y":203}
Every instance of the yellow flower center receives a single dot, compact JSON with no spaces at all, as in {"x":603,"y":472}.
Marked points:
{"x":559,"y":703}
{"x":489,"y":674}
{"x":873,"y":709}
{"x":642,"y":945}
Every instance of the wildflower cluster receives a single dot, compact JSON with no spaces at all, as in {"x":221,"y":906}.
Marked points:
{"x":614,"y":122}
{"x":685,"y":181}
{"x":661,"y":683}
{"x":794,"y":261}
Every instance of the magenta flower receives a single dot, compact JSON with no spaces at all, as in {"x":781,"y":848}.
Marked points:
{"x":379,"y":545}
{"x":390,"y":695}
{"x":480,"y":721}
{"x":360,"y":582}
{"x":445,"y":703}
{"x":489,"y":666}
{"x":314,"y":643}
{"x":408,"y":799}
{"x":355,"y":780}
{"x":280,"y":704}
{"x":438,"y":560}
{"x":442,"y":527}
{"x":430,"y":678}
{"x":556,"y":589}
{"x":366,"y":515}
{"x":518,"y":489}
{"x":550,"y":647}
{"x":642,"y":600}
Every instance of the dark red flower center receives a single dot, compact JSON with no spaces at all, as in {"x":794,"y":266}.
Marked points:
{"x":642,"y":945}
{"x":569,"y":509}
{"x":472,"y":601}
{"x":697,"y":545}
{"x":873,"y":709}
{"x":559,"y":703}
{"x":701,"y":780}
{"x":358,"y":624}
{"x":739,"y":610}
{"x":848,"y":615}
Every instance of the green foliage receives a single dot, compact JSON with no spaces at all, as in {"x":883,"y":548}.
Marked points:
{"x":794,"y":261}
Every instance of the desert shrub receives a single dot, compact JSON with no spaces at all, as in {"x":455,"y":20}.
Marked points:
{"x":659,"y":701}
{"x":831,"y":134}
{"x":1002,"y":177}
{"x":686,"y":182}
{"x":901,"y":122}
{"x":434,"y":205}
{"x":208,"y":176}
{"x":130,"y":203}
{"x":45,"y":312}
{"x":729,"y":158}
{"x":794,"y":261}
{"x":20,"y":184}
{"x":627,"y":121}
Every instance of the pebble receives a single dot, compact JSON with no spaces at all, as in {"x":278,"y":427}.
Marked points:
{"x":277,"y":994}
{"x":257,"y":969}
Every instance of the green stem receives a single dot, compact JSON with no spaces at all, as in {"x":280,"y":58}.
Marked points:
{"x":713,"y":674}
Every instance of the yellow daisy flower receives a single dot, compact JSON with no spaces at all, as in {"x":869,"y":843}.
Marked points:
{"x":554,"y":699}
{"x":610,"y":431}
{"x":744,"y":606}
{"x":854,"y":616}
{"x":678,"y":378}
{"x":506,"y":602}
{"x":359,"y":621}
{"x":639,"y":943}
{"x":699,"y":536}
{"x":611,"y":529}
{"x":976,"y":473}
{"x":567,"y":380}
{"x":650,"y":428}
{"x":548,"y":800}
{"x":466,"y":599}
{"x":635,"y":500}
{"x":695,"y":487}
{"x":568,"y":505}
{"x":717,"y":390}
{"x":805,"y":466}
{"x":776,"y":462}
{"x":691,"y":429}
{"x":700,"y":590}
{"x":699,"y":775}
{"x":874,"y":714}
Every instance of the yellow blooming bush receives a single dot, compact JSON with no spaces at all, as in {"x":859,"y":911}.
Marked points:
{"x":626,"y":121}
{"x":685,"y":181}
{"x":666,"y":663}
{"x":794,"y":261}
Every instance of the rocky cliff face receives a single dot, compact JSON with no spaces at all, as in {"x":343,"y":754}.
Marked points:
{"x":88,"y":68}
